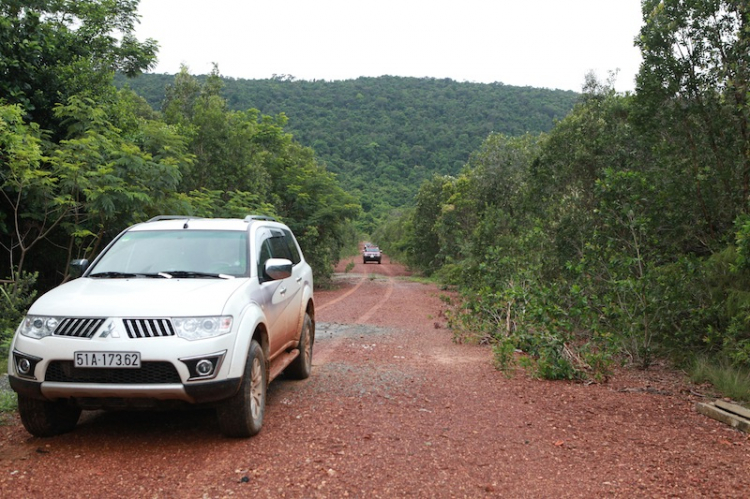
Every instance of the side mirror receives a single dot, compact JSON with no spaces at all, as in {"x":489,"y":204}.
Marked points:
{"x":278,"y":268}
{"x":78,"y":267}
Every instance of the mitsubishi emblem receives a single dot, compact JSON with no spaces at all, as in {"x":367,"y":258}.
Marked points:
{"x":110,"y":330}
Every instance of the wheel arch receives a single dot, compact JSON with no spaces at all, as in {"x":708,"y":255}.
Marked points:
{"x":261,"y":336}
{"x":251,"y":327}
{"x":310,"y":304}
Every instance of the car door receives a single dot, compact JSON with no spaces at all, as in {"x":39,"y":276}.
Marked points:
{"x":296,"y":286}
{"x":279,"y":294}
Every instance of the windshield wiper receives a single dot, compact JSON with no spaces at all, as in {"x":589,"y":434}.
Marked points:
{"x":113,"y":275}
{"x":193,"y":274}
{"x":126,"y":275}
{"x":167,"y":274}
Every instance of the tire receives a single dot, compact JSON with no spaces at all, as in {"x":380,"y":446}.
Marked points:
{"x":301,"y":367}
{"x":241,"y":416}
{"x":43,"y":418}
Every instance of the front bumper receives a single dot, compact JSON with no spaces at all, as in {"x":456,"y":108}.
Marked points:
{"x":106,"y":394}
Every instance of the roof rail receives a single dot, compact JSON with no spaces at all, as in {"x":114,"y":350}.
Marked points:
{"x":259,"y":217}
{"x":157,"y":218}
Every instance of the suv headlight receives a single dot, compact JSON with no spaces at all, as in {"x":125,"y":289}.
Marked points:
{"x":38,"y":326}
{"x":198,"y":328}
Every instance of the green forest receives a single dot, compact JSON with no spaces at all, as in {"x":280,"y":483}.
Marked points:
{"x":585,"y":230}
{"x":383,"y":137}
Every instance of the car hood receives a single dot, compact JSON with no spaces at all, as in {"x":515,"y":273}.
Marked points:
{"x":89,"y":297}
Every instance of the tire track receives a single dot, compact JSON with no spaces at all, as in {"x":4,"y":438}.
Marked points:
{"x":386,"y":296}
{"x":330,"y":345}
{"x":342,"y":297}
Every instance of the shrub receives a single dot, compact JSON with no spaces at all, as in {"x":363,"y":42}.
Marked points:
{"x":15,"y":299}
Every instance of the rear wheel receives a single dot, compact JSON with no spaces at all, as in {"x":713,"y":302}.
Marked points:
{"x":242,"y":415}
{"x":43,"y":418}
{"x":301,"y":367}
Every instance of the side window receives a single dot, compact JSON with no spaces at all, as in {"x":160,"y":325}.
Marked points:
{"x":264,"y":253}
{"x":271,"y":244}
{"x":279,"y":247}
{"x":293,"y":250}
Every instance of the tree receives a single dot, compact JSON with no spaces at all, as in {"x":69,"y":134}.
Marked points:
{"x":693,"y":100}
{"x":76,"y":193}
{"x":180,"y":96}
{"x":424,"y":243}
{"x":24,"y":182}
{"x":113,"y":182}
{"x":227,"y":145}
{"x":53,"y":49}
{"x":246,"y":163}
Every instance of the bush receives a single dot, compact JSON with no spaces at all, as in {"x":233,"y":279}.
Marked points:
{"x":555,"y":326}
{"x":15,"y":299}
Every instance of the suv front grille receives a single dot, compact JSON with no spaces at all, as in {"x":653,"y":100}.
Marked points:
{"x":78,"y":327}
{"x":148,"y":328}
{"x":64,"y":371}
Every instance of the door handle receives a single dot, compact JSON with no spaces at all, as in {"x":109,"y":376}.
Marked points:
{"x":299,"y":279}
{"x":282,"y":291}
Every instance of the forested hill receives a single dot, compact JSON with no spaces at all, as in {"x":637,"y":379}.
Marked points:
{"x":383,"y":136}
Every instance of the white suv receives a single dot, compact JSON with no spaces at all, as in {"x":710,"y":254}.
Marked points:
{"x":174,"y":311}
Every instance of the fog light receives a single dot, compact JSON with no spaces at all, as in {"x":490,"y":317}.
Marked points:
{"x":24,"y":366}
{"x":204,"y":367}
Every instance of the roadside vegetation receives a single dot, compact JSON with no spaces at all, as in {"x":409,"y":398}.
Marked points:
{"x":623,"y":234}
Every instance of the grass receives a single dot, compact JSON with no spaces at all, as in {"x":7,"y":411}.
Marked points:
{"x":8,"y":401}
{"x":8,"y":398}
{"x":730,"y":381}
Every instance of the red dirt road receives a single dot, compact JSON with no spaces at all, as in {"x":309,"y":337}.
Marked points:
{"x":394,"y":408}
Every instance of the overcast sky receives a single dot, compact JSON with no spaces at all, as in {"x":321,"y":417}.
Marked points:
{"x":538,"y":43}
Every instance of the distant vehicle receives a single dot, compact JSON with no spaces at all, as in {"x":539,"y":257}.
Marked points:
{"x":175,"y":311}
{"x":371,"y":254}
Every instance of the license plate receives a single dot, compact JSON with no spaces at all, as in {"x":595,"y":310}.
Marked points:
{"x":108,"y":359}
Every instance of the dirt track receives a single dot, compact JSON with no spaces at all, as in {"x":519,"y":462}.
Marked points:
{"x":394,"y":408}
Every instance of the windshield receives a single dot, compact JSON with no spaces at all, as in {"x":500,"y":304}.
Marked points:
{"x":175,"y":253}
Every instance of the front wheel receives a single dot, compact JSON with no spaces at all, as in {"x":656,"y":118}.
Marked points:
{"x":301,"y":367}
{"x":241,"y":416}
{"x":43,"y":418}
